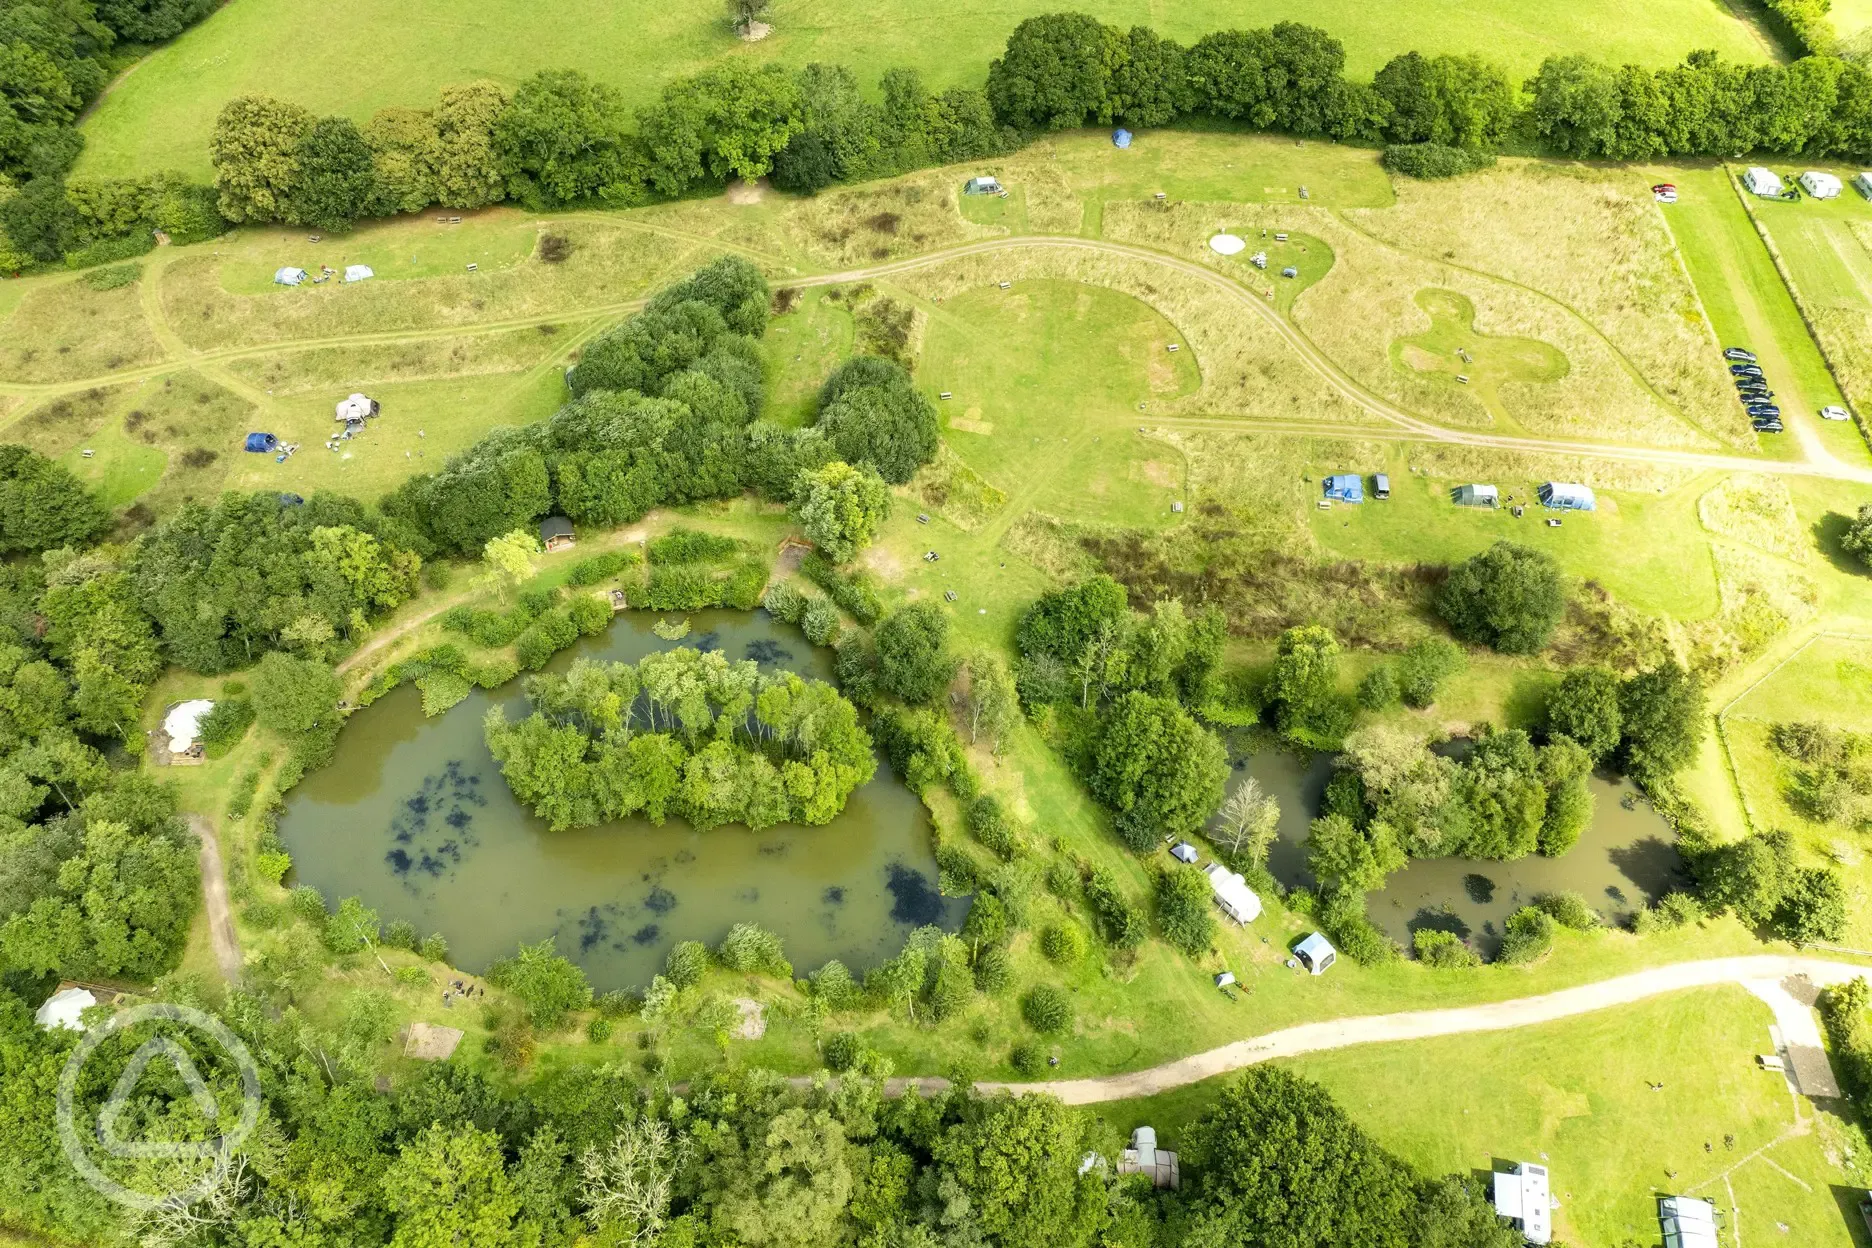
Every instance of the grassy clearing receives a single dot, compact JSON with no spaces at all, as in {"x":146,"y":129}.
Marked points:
{"x":1591,"y":240}
{"x":354,"y":58}
{"x":339,"y":370}
{"x":66,"y":331}
{"x":1757,"y":510}
{"x":608,"y":266}
{"x":1368,"y":299}
{"x":867,"y":224}
{"x":1748,"y":304}
{"x":1826,"y":246}
{"x":1051,"y":373}
{"x":1574,"y":1095}
{"x":400,"y":248}
{"x":1459,"y":354}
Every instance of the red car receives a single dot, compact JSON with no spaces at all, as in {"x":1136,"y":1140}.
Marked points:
{"x":1662,"y":187}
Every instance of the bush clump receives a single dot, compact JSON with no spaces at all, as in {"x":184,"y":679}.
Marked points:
{"x":1443,"y":950}
{"x":1047,"y":1009}
{"x":686,"y":963}
{"x":842,"y":1050}
{"x":1530,"y":934}
{"x":749,"y":947}
{"x":1028,"y":1060}
{"x":1568,"y":910}
{"x":1063,"y":943}
{"x":1434,"y":160}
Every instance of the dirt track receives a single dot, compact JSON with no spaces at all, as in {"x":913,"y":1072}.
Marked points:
{"x":1423,"y":1024}
{"x":215,"y":900}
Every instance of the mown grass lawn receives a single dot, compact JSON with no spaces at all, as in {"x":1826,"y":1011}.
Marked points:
{"x":356,"y":56}
{"x":1645,"y":548}
{"x":1575,"y":1096}
{"x":1749,"y":306}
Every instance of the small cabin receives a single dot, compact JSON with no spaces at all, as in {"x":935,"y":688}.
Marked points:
{"x":1521,"y":1196}
{"x":555,"y":533}
{"x":1316,"y":954}
{"x":1381,"y":486}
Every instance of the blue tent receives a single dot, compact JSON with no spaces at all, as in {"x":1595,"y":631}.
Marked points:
{"x":259,"y":442}
{"x":1347,"y":487}
{"x":1566,"y":497}
{"x":1121,"y":138}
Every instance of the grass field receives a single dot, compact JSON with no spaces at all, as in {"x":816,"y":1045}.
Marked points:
{"x":1749,"y":306}
{"x":1574,"y":1096}
{"x":356,"y":56}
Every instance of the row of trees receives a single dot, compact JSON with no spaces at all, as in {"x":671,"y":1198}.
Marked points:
{"x":721,"y":743}
{"x":597,"y":1155}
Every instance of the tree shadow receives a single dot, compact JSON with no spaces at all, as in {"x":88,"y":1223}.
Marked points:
{"x":1850,"y":1201}
{"x":1652,"y":865}
{"x":1829,"y":531}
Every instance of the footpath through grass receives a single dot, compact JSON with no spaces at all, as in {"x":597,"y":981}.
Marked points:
{"x":356,"y":56}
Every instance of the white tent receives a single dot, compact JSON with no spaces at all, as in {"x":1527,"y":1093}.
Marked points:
{"x":1687,"y":1222}
{"x":1820,"y":185}
{"x":1522,"y":1197}
{"x":62,"y":1009}
{"x":182,"y":725}
{"x":289,"y":276}
{"x":1232,"y":893}
{"x":1316,"y":953}
{"x":1227,"y":245}
{"x":356,"y":408}
{"x":358,"y":272}
{"x":1760,"y":181}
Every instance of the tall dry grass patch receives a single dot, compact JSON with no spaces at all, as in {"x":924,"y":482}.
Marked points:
{"x":1246,"y":369}
{"x":1597,"y":245}
{"x":1367,"y":300}
{"x":67,"y":331}
{"x":1757,"y":510}
{"x":431,"y":359}
{"x":870,"y":224}
{"x":609,"y":265}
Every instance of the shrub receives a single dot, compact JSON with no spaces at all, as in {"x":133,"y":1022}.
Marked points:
{"x":117,"y":275}
{"x":400,"y":934}
{"x":994,"y":970}
{"x":619,"y":1002}
{"x":1047,"y":1009}
{"x":842,"y":1050}
{"x":1813,"y":908}
{"x":987,"y":921}
{"x":1434,"y":160}
{"x":955,"y":870}
{"x":272,"y":865}
{"x":351,"y":927}
{"x":1379,"y":690}
{"x":1064,"y":943}
{"x":834,"y":985}
{"x":681,"y":545}
{"x":598,"y":1030}
{"x":1568,"y":910}
{"x":1029,"y":1060}
{"x":594,"y":568}
{"x":1529,"y":935}
{"x":686,"y":963}
{"x":434,"y":948}
{"x":751,"y":948}
{"x":820,"y":622}
{"x":853,"y":592}
{"x":412,"y":977}
{"x":1443,"y":950}
{"x":309,"y":904}
{"x":949,"y":995}
{"x":1185,"y":913}
{"x":988,"y":823}
{"x":784,"y":602}
{"x":1120,"y":922}
{"x":1352,"y":932}
{"x":1509,"y":598}
{"x":1424,"y":668}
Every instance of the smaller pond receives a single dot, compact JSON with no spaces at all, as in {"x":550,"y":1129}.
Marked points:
{"x":414,"y":816}
{"x":1623,"y":862}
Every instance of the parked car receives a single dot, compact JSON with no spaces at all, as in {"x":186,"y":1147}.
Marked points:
{"x":1834,"y":412}
{"x":1755,"y":394}
{"x":1767,"y":410}
{"x":1768,"y":426}
{"x":1661,"y":187}
{"x":1666,"y":197}
{"x":1737,"y":353}
{"x":1745,"y":370}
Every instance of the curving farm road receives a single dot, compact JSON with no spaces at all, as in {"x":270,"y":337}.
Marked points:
{"x":1402,"y":423}
{"x":1341,"y":1033}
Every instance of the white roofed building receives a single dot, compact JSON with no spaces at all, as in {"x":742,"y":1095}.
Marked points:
{"x":1232,"y":893}
{"x":1522,"y":1197}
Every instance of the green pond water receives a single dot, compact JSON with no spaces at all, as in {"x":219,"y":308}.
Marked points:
{"x":414,"y":817}
{"x":1625,"y":860}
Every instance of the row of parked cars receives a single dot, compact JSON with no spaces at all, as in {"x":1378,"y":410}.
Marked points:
{"x":1752,"y":389}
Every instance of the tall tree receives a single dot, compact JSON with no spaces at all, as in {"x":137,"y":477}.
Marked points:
{"x":256,"y":153}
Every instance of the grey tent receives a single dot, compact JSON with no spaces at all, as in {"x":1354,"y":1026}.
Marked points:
{"x":1567,"y":497}
{"x":289,"y":276}
{"x":1477,"y":495}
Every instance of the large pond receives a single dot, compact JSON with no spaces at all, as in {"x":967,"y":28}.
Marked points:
{"x":1625,"y":860}
{"x":414,"y":817}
